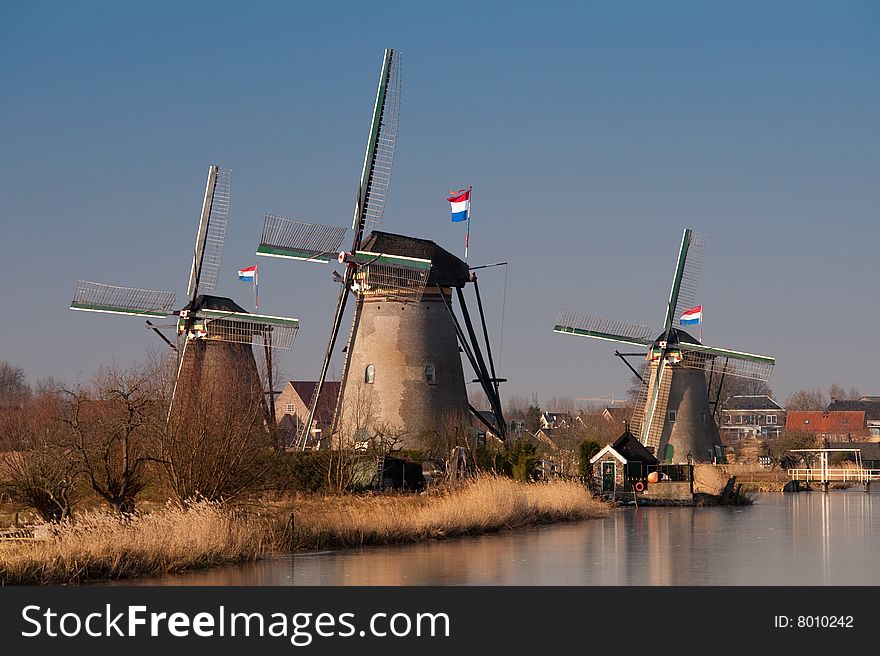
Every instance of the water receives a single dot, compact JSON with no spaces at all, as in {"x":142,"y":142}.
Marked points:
{"x":784,"y":539}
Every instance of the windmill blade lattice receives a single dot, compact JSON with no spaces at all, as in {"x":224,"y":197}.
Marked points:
{"x":690,"y":278}
{"x":275,"y":332}
{"x":388,"y":106}
{"x":576,"y":323}
{"x":216,"y":232}
{"x":99,"y":297}
{"x":733,"y":363}
{"x":298,"y":240}
{"x":391,"y":275}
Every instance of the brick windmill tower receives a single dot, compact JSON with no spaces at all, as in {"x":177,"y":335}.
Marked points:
{"x":672,"y":414}
{"x":402,"y":372}
{"x":215,"y":337}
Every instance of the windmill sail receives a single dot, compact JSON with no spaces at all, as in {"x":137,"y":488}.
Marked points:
{"x":575,"y":323}
{"x":211,"y":234}
{"x":392,"y":275}
{"x":243,"y":328}
{"x":368,"y":210}
{"x":297,"y":240}
{"x":734,"y":363}
{"x":688,"y":270}
{"x":99,"y":297}
{"x":379,"y":155}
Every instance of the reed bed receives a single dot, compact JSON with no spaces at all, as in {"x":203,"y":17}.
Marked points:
{"x":101,"y":545}
{"x":486,"y":504}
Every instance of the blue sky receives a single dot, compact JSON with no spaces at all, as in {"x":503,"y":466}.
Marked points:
{"x":592,"y":134}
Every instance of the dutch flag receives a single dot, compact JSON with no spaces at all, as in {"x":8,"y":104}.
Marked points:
{"x":692,"y":316}
{"x":247,"y":274}
{"x":460,"y":202}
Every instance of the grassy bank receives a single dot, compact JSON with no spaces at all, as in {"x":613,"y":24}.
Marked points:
{"x":101,"y":545}
{"x":488,"y":504}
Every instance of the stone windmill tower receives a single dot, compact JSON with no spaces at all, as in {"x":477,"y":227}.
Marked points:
{"x":215,"y":336}
{"x":672,"y":414}
{"x":402,"y":370}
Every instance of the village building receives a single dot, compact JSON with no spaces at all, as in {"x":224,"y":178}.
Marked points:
{"x":622,"y":464}
{"x":556,"y":420}
{"x":752,"y":415}
{"x":617,"y":415}
{"x":292,"y":410}
{"x":836,"y":425}
{"x":871,"y":407}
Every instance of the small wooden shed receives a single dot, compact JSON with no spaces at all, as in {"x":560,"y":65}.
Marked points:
{"x":621,"y":464}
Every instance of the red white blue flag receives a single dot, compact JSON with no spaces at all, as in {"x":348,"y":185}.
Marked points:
{"x":692,"y":317}
{"x":460,"y":202}
{"x":249,"y":274}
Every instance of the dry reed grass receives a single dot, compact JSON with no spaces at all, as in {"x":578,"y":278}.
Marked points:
{"x":100,"y":545}
{"x":486,"y":504}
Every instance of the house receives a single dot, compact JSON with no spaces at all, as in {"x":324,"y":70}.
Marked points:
{"x":841,"y":425}
{"x":292,"y":409}
{"x":483,"y":435}
{"x":618,"y":415}
{"x":871,"y":407}
{"x":751,"y":415}
{"x":556,"y":420}
{"x":622,"y":464}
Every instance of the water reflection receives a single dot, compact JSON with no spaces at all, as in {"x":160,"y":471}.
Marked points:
{"x":793,"y":539}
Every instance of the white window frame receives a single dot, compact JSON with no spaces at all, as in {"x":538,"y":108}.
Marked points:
{"x":671,"y":416}
{"x":430,"y":374}
{"x":370,"y":374}
{"x":289,"y":409}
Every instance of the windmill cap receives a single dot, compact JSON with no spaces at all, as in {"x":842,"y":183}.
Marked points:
{"x":676,"y":335}
{"x":219,"y":303}
{"x":446,"y":269}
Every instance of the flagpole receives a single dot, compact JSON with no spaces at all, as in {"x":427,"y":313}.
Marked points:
{"x":467,"y":234}
{"x":257,"y":286}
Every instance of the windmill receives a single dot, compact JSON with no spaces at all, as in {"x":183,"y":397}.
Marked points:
{"x":672,"y":413}
{"x":402,"y":361}
{"x":215,"y":335}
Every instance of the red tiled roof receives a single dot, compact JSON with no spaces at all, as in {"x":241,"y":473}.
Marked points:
{"x":327,"y":402}
{"x":818,"y":421}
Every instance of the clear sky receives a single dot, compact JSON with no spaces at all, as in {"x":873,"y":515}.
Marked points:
{"x":593,"y":133}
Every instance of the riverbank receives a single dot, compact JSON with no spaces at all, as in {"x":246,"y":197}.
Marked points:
{"x":104,"y":546}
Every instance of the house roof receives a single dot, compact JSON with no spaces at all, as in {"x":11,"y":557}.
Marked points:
{"x":326,"y":404}
{"x":751,"y":402}
{"x":619,"y":414}
{"x":871,"y":408}
{"x":870,"y":450}
{"x":630,"y":448}
{"x":818,"y":421}
{"x":446,"y":269}
{"x":556,"y":416}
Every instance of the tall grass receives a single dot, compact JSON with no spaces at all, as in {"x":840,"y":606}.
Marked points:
{"x":102,"y":545}
{"x":488,"y":503}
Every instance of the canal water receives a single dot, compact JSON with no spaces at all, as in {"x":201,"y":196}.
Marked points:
{"x":810,"y":538}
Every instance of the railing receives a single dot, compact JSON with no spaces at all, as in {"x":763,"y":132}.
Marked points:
{"x":835,"y":475}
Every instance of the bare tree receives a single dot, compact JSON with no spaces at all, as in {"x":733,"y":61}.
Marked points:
{"x":13,"y":384}
{"x":215,"y":444}
{"x":110,"y":423}
{"x":813,"y":399}
{"x":838,"y":393}
{"x":36,"y":467}
{"x":516,"y":408}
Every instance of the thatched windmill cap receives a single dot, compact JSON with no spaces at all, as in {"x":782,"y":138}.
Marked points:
{"x":446,"y":269}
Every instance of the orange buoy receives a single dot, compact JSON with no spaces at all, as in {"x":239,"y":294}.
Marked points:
{"x":653,"y":477}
